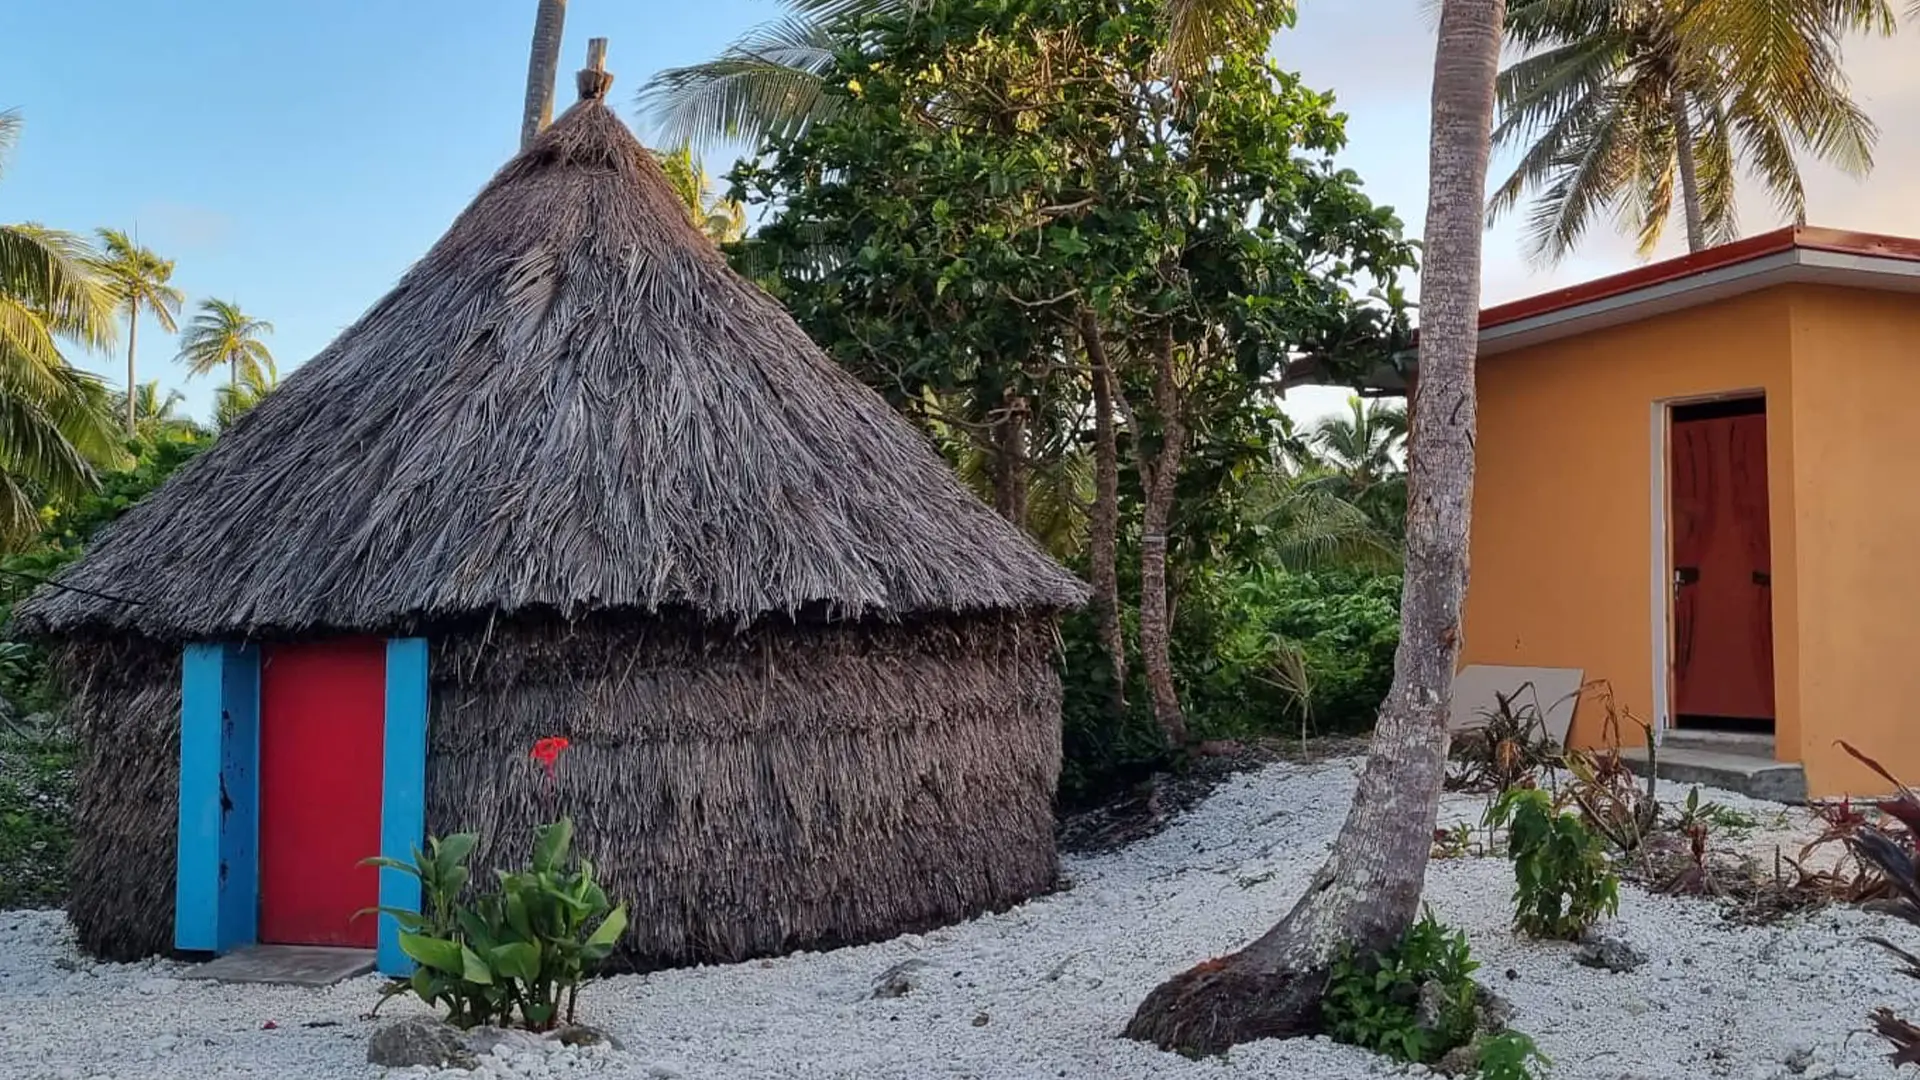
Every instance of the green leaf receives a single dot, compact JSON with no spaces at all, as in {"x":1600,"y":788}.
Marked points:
{"x":519,"y":960}
{"x":458,"y":847}
{"x":610,"y":929}
{"x":551,"y":844}
{"x":473,"y":968}
{"x":437,"y":953}
{"x":408,"y":920}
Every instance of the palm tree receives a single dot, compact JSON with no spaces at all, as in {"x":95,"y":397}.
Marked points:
{"x":230,"y":403}
{"x":56,"y":423}
{"x":1621,"y":102}
{"x":223,"y":334}
{"x":1368,"y":892}
{"x":1363,"y":445}
{"x":722,"y":219}
{"x":138,"y":277}
{"x":543,"y":66}
{"x":155,"y":413}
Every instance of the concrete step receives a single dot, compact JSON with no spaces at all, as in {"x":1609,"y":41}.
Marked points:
{"x":1751,"y":743}
{"x":1754,"y":777}
{"x":297,"y":965}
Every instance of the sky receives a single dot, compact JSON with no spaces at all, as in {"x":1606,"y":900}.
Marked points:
{"x":297,"y":156}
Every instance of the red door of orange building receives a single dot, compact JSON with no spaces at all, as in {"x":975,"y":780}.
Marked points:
{"x":322,"y":716}
{"x":1723,"y":594}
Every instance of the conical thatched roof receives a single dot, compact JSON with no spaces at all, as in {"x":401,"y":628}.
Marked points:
{"x":570,"y":404}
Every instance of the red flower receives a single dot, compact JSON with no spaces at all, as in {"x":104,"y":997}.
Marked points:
{"x":547,"y":751}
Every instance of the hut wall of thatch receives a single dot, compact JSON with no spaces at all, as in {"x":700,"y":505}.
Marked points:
{"x":124,"y":707}
{"x":842,"y":769}
{"x":862,"y":780}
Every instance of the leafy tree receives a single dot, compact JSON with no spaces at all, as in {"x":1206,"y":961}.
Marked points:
{"x":1012,"y":221}
{"x":1367,"y":893}
{"x":223,"y":334}
{"x":1620,"y":102}
{"x":56,"y":423}
{"x":138,"y":277}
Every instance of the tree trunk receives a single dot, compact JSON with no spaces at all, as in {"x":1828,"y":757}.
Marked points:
{"x":1103,"y":529}
{"x":133,"y":334}
{"x":1689,"y":172}
{"x":1158,"y":477}
{"x":1012,"y":469}
{"x":543,"y":67}
{"x":1368,"y":892}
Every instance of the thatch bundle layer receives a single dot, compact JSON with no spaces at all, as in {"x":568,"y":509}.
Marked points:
{"x":570,"y":404}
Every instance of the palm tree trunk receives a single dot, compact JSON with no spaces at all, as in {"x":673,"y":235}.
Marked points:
{"x":1103,"y":529}
{"x":1368,"y":892}
{"x":543,"y":67}
{"x":1159,"y":477}
{"x":133,"y":334}
{"x":1689,"y":170}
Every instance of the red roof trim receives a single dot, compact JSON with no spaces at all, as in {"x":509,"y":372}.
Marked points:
{"x":1838,"y":241}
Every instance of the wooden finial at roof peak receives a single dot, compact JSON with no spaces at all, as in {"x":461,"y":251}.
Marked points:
{"x":593,"y":80}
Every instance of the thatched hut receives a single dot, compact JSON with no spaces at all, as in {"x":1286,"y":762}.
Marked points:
{"x":571,"y":478}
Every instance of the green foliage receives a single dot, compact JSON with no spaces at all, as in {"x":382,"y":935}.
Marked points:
{"x":1374,"y":1001}
{"x":36,"y":791}
{"x":1510,"y":1055}
{"x":1563,"y":882}
{"x":1234,"y":632}
{"x":520,"y":949}
{"x":37,"y":754}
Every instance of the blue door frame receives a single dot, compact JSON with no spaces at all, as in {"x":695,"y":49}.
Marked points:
{"x":217,"y":886}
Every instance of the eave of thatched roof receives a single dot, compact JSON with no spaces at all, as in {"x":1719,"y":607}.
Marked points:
{"x":571,"y":404}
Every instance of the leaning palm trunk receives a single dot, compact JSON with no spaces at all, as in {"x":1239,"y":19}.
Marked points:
{"x":1368,"y":892}
{"x":543,"y":66}
{"x":1689,"y":170}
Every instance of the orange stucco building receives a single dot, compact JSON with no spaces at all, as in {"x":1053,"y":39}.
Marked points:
{"x":1699,"y":481}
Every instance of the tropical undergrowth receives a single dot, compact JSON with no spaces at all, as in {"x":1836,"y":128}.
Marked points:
{"x":37,"y":751}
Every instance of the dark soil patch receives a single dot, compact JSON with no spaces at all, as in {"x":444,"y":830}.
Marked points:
{"x":1148,"y":807}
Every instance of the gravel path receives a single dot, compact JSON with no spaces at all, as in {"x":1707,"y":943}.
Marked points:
{"x":1039,"y":992}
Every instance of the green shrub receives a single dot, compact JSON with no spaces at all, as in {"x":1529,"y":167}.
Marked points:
{"x":1374,"y":1001}
{"x":520,"y":949}
{"x":1563,"y":882}
{"x":1509,"y":1055}
{"x":1229,"y":628}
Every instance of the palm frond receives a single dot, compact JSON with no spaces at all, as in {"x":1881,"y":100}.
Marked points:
{"x":1200,"y":30}
{"x":767,"y":84}
{"x":9,"y":135}
{"x":1584,"y":181}
{"x":52,"y":272}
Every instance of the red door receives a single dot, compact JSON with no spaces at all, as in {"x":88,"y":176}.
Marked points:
{"x":322,"y":715}
{"x":1723,"y":594}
